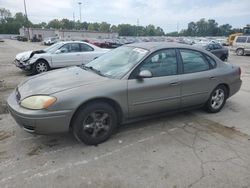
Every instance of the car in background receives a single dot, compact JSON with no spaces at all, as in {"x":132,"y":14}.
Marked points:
{"x":241,"y":45}
{"x":22,"y":38}
{"x":50,"y":40}
{"x":61,"y":54}
{"x":125,"y":84}
{"x":215,"y":48}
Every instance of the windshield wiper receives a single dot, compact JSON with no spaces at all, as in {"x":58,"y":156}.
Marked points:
{"x":92,"y":69}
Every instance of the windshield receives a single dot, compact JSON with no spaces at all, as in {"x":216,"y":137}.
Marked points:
{"x":118,"y":62}
{"x":53,"y":48}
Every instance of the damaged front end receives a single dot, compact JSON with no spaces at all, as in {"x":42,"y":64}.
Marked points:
{"x":23,"y":60}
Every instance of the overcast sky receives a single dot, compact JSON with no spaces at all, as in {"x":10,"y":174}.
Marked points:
{"x":163,"y":13}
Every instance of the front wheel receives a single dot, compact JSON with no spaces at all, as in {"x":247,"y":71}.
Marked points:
{"x":40,"y":66}
{"x":217,"y":99}
{"x":94,"y":123}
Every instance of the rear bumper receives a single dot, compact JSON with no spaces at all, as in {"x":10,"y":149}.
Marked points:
{"x":39,"y":121}
{"x":235,"y":87}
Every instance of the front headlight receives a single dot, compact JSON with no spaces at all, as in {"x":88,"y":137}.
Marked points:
{"x":38,"y":102}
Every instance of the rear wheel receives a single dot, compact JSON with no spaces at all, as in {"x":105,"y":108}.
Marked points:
{"x":40,"y":66}
{"x":94,"y":123}
{"x":240,"y":52}
{"x":217,"y":99}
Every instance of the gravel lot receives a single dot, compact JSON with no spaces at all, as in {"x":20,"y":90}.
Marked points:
{"x":191,"y":149}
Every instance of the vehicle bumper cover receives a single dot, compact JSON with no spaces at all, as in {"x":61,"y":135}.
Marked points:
{"x":20,"y":65}
{"x":39,"y":121}
{"x":235,"y":87}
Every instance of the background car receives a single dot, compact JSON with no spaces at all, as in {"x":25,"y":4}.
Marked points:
{"x":127,"y":83}
{"x":50,"y":40}
{"x":241,"y":45}
{"x":216,"y":49}
{"x":59,"y":55}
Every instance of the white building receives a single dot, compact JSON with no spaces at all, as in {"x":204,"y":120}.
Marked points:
{"x":65,"y":34}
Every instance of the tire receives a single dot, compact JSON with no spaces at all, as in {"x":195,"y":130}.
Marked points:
{"x":240,"y":52}
{"x":217,"y":99}
{"x":40,"y":66}
{"x":94,"y":123}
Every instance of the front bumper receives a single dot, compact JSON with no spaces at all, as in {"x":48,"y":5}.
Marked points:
{"x":21,"y":65}
{"x":39,"y":121}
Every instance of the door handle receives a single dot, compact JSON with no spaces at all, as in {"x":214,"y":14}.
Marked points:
{"x":77,"y":54}
{"x":212,"y":78}
{"x":174,"y":83}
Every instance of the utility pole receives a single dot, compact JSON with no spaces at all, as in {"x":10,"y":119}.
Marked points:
{"x":26,"y":15}
{"x":80,"y":11}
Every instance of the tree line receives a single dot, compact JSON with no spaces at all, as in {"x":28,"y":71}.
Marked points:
{"x":11,"y":24}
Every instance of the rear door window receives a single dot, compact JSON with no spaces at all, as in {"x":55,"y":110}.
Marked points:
{"x":217,"y":46}
{"x":86,"y":48}
{"x":241,"y":39}
{"x":193,"y":61}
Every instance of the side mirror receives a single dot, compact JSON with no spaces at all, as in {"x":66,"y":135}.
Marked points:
{"x":62,"y":50}
{"x":145,"y":74}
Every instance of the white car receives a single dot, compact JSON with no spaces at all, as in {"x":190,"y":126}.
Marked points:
{"x":61,"y":54}
{"x":50,"y":40}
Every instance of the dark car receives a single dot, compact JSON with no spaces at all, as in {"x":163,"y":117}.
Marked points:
{"x":218,"y":50}
{"x":22,"y":38}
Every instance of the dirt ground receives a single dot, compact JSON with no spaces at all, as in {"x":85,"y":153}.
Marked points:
{"x":191,"y":149}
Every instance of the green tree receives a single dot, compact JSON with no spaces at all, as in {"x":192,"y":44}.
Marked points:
{"x":55,"y":24}
{"x":104,"y":27}
{"x":4,"y":13}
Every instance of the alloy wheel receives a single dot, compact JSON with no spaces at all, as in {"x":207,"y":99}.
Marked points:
{"x":218,"y":98}
{"x":96,"y":124}
{"x":41,"y":67}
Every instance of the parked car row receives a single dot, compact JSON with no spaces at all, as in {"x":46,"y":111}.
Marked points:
{"x":125,"y":84}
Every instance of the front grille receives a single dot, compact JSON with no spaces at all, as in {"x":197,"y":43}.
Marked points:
{"x":18,"y":95}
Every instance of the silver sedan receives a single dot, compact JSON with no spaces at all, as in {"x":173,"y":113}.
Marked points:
{"x":128,"y":83}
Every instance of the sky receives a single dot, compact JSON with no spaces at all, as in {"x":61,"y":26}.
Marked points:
{"x":168,"y":14}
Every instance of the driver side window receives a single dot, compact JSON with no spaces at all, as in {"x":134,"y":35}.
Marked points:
{"x":161,"y":63}
{"x":71,"y":47}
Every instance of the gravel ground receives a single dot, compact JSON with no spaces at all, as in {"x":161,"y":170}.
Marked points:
{"x":191,"y":149}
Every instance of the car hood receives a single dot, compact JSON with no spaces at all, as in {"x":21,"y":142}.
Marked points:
{"x":23,"y":56}
{"x":26,"y":55}
{"x":58,"y":80}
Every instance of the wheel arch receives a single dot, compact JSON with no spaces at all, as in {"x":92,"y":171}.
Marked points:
{"x":226,"y":86}
{"x":114,"y":104}
{"x":43,"y":59}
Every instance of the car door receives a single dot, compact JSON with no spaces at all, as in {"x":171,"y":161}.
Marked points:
{"x":68,"y":55}
{"x":247,"y":48}
{"x":88,"y":53}
{"x":198,"y":77}
{"x":159,"y":93}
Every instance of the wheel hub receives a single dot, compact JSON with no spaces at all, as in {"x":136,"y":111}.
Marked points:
{"x":96,"y":123}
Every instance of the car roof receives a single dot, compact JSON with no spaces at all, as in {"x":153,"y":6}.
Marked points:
{"x":154,"y":46}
